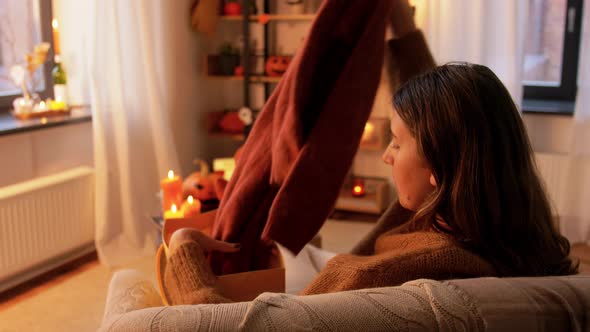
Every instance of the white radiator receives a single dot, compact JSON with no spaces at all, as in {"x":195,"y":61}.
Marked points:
{"x":45,"y":222}
{"x":552,"y":169}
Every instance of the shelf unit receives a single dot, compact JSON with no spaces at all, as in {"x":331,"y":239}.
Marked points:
{"x":250,"y":77}
{"x":270,"y":17}
{"x":253,"y":78}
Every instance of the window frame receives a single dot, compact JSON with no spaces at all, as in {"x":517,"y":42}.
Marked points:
{"x":560,"y":99}
{"x":45,"y":17}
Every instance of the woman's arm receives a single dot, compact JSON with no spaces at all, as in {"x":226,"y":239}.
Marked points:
{"x":408,"y":53}
{"x":188,"y":277}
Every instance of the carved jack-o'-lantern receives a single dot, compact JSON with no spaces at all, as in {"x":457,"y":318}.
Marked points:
{"x":203,"y":185}
{"x":277,"y":65}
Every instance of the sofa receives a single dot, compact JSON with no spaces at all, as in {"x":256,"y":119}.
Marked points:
{"x":481,"y":304}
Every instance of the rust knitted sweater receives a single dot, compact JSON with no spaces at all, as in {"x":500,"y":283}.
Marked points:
{"x":388,"y":256}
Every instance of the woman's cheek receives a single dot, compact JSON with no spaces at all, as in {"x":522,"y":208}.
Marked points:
{"x":401,"y":179}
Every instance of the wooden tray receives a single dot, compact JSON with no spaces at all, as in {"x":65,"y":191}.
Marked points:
{"x":44,"y":114}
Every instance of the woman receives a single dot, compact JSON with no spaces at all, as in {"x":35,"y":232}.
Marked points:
{"x":470,"y":201}
{"x":463,"y":167}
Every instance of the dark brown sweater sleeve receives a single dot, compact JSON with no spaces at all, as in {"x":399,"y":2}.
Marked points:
{"x":394,"y":216}
{"x":407,"y":57}
{"x":189,"y":279}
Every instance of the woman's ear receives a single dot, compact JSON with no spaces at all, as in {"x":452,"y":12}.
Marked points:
{"x":432,"y":180}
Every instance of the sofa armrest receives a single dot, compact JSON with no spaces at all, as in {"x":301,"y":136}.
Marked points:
{"x":129,"y":291}
{"x":490,"y":304}
{"x":421,"y":305}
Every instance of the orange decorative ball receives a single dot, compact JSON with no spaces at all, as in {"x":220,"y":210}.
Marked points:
{"x":239,"y":71}
{"x":232,"y":8}
{"x":231,"y":123}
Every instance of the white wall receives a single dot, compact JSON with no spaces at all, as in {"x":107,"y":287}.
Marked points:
{"x":550,"y":133}
{"x":72,"y":16}
{"x":44,"y":152}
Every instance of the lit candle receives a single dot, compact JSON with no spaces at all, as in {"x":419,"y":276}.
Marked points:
{"x":191,"y":207}
{"x":55,"y":27}
{"x":171,"y":191}
{"x":41,"y":107}
{"x":173,"y":213}
{"x":368,"y":132}
{"x":57,"y":105}
{"x":22,"y":105}
{"x":358,"y":188}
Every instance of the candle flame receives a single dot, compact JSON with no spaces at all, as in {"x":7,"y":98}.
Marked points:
{"x":173,"y":208}
{"x":357,"y":189}
{"x":170,"y":174}
{"x":54,"y":24}
{"x":190,"y":199}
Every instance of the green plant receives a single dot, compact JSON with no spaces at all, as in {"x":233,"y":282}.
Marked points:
{"x":228,"y":49}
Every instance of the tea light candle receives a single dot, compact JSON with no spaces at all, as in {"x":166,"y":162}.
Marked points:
{"x":173,"y":213}
{"x":171,"y":191}
{"x":41,"y":107}
{"x":368,"y":133}
{"x":358,"y":188}
{"x":57,"y":105}
{"x":191,"y":207}
{"x":22,"y":105}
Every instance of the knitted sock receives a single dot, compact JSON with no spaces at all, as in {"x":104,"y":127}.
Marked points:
{"x":189,"y":279}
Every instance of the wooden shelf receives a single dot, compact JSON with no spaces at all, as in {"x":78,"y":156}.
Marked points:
{"x":375,"y":200}
{"x":281,"y":17}
{"x":235,"y":137}
{"x":253,"y":79}
{"x":225,"y":78}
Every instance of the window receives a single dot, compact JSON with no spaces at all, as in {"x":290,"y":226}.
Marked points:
{"x":23,"y":24}
{"x":551,"y":55}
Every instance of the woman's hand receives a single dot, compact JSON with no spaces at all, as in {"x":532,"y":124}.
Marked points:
{"x":184,"y":235}
{"x":402,"y":18}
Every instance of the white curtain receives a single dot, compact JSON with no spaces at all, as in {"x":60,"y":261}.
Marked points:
{"x":575,"y":203}
{"x":492,"y":33}
{"x":133,"y":138}
{"x":479,"y":31}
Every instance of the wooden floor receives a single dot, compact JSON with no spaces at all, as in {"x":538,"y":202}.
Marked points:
{"x":47,"y":280}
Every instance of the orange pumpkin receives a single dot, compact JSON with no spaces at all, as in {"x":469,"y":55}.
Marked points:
{"x":203,"y":185}
{"x":277,"y":65}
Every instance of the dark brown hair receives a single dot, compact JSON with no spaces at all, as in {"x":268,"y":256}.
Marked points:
{"x":488,"y":191}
